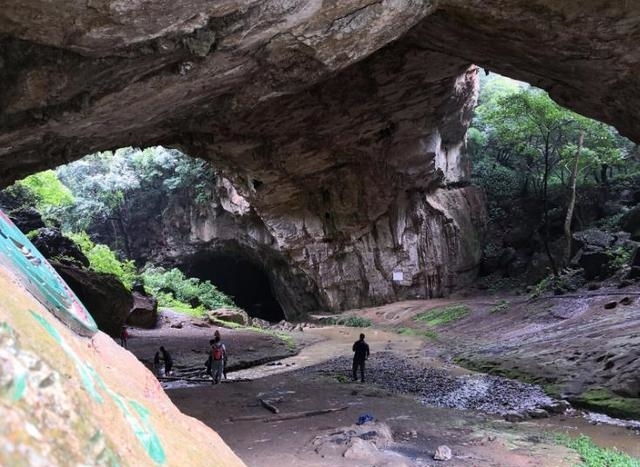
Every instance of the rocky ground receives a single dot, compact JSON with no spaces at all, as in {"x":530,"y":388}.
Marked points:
{"x":418,"y":396}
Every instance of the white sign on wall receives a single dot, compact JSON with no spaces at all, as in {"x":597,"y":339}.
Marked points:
{"x":398,"y":276}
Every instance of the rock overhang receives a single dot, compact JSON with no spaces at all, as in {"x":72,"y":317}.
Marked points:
{"x":337,"y":122}
{"x":109,"y":74}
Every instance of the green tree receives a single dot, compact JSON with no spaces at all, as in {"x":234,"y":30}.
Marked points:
{"x":109,"y":187}
{"x":522,"y":130}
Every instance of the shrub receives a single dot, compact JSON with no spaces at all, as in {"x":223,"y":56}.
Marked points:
{"x":500,"y":307}
{"x":174,"y":289}
{"x":351,"y":321}
{"x":103,"y":259}
{"x":428,"y":333}
{"x":620,"y":257}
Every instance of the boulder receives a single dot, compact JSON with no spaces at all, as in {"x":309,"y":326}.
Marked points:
{"x":104,"y":296}
{"x":630,"y":222}
{"x":635,"y":258}
{"x":443,"y":453}
{"x":232,"y":315}
{"x":26,"y":219}
{"x":16,"y":204}
{"x":54,"y":245}
{"x":363,"y":442}
{"x":360,"y":449}
{"x":538,"y":413}
{"x":596,"y":264}
{"x":592,"y":255}
{"x":514,"y":417}
{"x":144,"y":312}
{"x":592,"y":239}
{"x":260,"y":323}
{"x":70,"y":400}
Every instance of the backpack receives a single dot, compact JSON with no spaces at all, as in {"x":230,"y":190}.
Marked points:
{"x":216,"y":352}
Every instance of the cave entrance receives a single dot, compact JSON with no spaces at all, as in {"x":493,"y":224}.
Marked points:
{"x":242,"y":278}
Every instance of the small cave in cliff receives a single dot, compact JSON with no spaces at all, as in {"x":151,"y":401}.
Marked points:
{"x":242,"y":278}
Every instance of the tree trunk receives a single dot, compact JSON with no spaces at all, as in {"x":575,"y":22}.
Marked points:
{"x":545,"y":206}
{"x":572,"y":199}
{"x":604,"y":179}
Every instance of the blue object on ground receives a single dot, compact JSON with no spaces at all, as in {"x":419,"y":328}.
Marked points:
{"x":364,"y":419}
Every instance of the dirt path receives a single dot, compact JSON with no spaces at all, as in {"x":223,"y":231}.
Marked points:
{"x":475,"y":440}
{"x":317,"y":378}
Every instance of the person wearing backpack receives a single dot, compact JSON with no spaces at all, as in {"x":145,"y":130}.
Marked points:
{"x":218,"y":358}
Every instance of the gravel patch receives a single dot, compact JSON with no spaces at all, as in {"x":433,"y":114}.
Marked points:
{"x":432,"y":386}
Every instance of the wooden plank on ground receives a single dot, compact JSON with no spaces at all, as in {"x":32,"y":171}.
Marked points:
{"x":287,"y":416}
{"x":269,"y":406}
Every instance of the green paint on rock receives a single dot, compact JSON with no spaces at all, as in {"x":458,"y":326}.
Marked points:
{"x":84,"y":371}
{"x":91,"y":380}
{"x":18,"y":387}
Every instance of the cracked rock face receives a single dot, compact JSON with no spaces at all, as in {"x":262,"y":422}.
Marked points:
{"x":340,"y":123}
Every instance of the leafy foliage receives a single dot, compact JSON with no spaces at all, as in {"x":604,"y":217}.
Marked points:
{"x":524,"y":149}
{"x":568,"y":280}
{"x":103,"y":259}
{"x":595,"y":456}
{"x":620,"y":257}
{"x":105,"y":184}
{"x":351,"y":321}
{"x":173,"y":289}
{"x":428,"y":333}
{"x":521,"y":128}
{"x":45,"y":192}
{"x":47,"y":189}
{"x":501,"y":307}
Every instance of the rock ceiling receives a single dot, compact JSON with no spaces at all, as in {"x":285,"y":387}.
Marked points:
{"x":339,"y":121}
{"x":102,"y":74}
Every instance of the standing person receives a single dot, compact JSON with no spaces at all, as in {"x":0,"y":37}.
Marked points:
{"x":124,"y":335}
{"x":224,"y":364}
{"x":156,"y":363}
{"x":209,"y":358}
{"x":361,"y":353}
{"x":218,"y":357}
{"x":168,"y":361}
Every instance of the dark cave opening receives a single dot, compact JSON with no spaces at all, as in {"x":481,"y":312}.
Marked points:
{"x":243,"y":279}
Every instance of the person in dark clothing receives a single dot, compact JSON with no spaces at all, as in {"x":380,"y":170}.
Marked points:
{"x":210,"y":358}
{"x":124,"y":335}
{"x":156,"y":363}
{"x":168,"y":361}
{"x":361,"y":353}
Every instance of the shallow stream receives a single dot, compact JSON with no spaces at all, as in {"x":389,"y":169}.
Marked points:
{"x":404,"y":364}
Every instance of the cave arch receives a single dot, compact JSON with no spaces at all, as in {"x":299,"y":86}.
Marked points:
{"x":371,"y":101}
{"x":239,"y":276}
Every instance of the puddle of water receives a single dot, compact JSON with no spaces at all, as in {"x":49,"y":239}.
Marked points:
{"x":613,"y":435}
